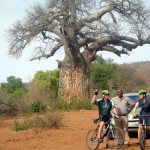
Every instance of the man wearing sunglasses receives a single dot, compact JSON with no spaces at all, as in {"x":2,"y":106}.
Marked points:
{"x":124,"y":105}
{"x":105,"y":107}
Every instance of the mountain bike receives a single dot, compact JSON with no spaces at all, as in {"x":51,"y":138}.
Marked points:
{"x":114,"y":136}
{"x":143,"y":129}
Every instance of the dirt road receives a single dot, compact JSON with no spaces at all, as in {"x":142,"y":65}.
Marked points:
{"x":69,"y":137}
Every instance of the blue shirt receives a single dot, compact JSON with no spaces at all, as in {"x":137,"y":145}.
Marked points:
{"x":145,"y":106}
{"x":148,"y":96}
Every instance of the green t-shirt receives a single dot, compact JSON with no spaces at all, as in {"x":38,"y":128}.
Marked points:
{"x":105,"y":107}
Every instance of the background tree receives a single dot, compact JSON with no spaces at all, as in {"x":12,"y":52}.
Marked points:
{"x":128,"y":78}
{"x":117,"y":26}
{"x":11,"y":93}
{"x":101,"y":72}
{"x":14,"y":88}
{"x":47,"y":83}
{"x":143,"y":69}
{"x":43,"y":87}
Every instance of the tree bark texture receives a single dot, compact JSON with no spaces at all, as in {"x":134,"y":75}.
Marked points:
{"x":82,"y":32}
{"x":74,"y":83}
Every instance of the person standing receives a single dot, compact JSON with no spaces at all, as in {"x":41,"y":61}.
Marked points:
{"x":144,"y":103}
{"x":123,"y":105}
{"x":105,"y":106}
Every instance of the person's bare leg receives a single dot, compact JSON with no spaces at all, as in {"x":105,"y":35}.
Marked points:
{"x":101,"y":125}
{"x":140,"y":125}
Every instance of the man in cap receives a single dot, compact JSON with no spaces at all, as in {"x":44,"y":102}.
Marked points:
{"x":123,"y":105}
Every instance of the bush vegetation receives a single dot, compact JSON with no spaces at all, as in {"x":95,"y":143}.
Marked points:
{"x":47,"y":120}
{"x":25,"y":125}
{"x":101,"y":72}
{"x":41,"y":94}
{"x":73,"y":104}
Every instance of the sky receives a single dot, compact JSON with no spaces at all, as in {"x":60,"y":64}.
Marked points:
{"x":12,"y":10}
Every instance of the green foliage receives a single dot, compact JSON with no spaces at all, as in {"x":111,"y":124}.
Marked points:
{"x":14,"y":88}
{"x":37,"y":106}
{"x":74,"y":104}
{"x":101,"y":72}
{"x":41,"y":93}
{"x":46,"y":121}
{"x":108,"y":75}
{"x":12,"y":84}
{"x":48,"y":81}
{"x":25,"y":125}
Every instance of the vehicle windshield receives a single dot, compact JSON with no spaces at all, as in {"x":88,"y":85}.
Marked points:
{"x":134,"y":98}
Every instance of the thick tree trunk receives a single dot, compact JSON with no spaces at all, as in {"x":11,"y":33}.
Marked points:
{"x":74,"y":83}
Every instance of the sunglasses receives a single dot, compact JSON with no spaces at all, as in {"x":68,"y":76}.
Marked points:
{"x":107,"y":94}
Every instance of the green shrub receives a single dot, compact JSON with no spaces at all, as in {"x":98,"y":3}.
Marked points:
{"x":36,"y":107}
{"x":14,"y":87}
{"x":25,"y":125}
{"x":46,"y":121}
{"x":47,"y":82}
{"x":74,"y":104}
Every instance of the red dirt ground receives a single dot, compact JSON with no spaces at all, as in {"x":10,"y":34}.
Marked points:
{"x":69,"y":137}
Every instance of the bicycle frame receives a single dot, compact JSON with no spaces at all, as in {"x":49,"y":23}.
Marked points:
{"x":114,"y":136}
{"x":107,"y":126}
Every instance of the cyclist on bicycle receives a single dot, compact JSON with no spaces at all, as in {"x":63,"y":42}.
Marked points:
{"x":105,"y":107}
{"x":144,"y":103}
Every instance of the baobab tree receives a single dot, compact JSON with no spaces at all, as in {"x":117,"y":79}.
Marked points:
{"x":80,"y":28}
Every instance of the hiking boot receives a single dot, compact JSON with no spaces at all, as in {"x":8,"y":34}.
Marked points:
{"x":100,"y":140}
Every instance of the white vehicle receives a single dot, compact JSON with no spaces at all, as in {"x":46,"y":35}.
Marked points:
{"x":133,"y":122}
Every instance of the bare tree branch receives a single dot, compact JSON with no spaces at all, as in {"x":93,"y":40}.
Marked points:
{"x":48,"y":55}
{"x":110,"y":25}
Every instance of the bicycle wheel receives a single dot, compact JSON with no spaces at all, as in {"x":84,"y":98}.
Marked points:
{"x":92,"y":140}
{"x":142,"y":139}
{"x":115,"y":138}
